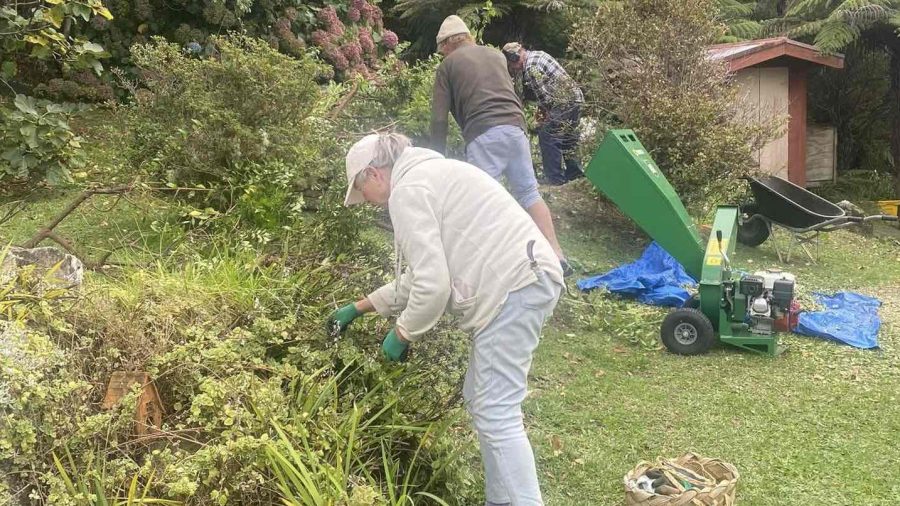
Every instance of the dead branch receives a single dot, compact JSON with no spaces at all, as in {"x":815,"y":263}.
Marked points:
{"x":13,"y":209}
{"x":344,"y":102}
{"x":48,"y":233}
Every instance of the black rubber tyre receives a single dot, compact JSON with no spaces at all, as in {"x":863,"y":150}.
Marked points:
{"x":752,"y":229}
{"x":687,"y":331}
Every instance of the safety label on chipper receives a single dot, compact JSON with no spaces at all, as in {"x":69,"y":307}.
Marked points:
{"x":713,"y":253}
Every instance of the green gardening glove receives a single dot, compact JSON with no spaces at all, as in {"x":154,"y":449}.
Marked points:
{"x":339,"y":320}
{"x":394,"y":349}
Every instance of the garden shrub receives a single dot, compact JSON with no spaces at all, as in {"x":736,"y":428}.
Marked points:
{"x":400,"y":98}
{"x":37,"y":141}
{"x":236,"y":347}
{"x":246,"y":131}
{"x":859,"y":186}
{"x":45,"y":404}
{"x":643,"y":65}
{"x":220,"y":121}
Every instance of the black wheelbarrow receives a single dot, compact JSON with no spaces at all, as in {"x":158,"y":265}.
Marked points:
{"x":802,"y":213}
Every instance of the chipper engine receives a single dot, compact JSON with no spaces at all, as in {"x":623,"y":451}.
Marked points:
{"x":741,"y":309}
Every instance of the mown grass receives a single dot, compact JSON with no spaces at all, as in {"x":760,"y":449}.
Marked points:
{"x":817,"y":425}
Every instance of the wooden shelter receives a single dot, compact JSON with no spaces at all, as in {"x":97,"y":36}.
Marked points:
{"x":772,"y":76}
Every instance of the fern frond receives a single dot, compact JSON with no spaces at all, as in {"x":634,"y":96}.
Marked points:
{"x":408,"y":9}
{"x":778,"y":26}
{"x":744,"y":30}
{"x":836,"y":35}
{"x":735,"y":9}
{"x":807,"y":29}
{"x":809,"y":9}
{"x":544,"y":5}
{"x":863,"y":15}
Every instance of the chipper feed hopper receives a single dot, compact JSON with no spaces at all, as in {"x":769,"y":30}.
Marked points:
{"x":738,"y":308}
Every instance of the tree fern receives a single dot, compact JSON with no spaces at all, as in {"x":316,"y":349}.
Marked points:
{"x":738,"y":17}
{"x":801,"y":29}
{"x":834,"y":24}
{"x":809,"y":8}
{"x":835,"y":35}
{"x":745,"y":29}
{"x":735,"y":9}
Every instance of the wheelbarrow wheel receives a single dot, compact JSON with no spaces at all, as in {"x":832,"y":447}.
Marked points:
{"x":753,"y":229}
{"x":687,"y":331}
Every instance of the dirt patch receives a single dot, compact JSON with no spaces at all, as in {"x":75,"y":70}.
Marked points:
{"x":578,"y":205}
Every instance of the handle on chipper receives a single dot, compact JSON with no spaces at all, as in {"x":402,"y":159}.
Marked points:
{"x":722,"y":251}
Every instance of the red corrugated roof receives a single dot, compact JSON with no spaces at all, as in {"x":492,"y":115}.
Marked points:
{"x":745,"y":54}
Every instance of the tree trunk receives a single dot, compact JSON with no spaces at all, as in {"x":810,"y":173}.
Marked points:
{"x":895,"y":115}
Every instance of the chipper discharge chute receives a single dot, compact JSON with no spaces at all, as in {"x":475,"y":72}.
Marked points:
{"x":740,"y":309}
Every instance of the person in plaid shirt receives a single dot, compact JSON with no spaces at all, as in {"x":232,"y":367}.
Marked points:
{"x":559,"y":109}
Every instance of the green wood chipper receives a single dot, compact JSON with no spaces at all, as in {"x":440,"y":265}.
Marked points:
{"x":741,"y":309}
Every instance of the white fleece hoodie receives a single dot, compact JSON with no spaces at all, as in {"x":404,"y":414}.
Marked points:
{"x":465,"y":240}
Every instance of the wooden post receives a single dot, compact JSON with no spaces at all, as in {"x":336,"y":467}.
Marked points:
{"x":797,"y":125}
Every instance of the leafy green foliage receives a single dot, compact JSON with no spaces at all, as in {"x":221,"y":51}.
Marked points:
{"x":46,"y":402}
{"x":254,"y":152}
{"x":256,"y":143}
{"x":401,"y":98}
{"x":215,"y":121}
{"x":738,"y":16}
{"x":88,"y":487}
{"x":852,"y":100}
{"x":859,"y":186}
{"x":41,"y":32}
{"x":539,"y":23}
{"x":38,"y":141}
{"x":236,"y":348}
{"x":836,"y":24}
{"x":644,"y":66}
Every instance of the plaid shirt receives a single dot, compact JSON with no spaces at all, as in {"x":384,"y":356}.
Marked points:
{"x":549,"y":81}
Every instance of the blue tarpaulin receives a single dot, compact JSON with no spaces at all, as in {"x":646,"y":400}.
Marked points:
{"x":656,"y":278}
{"x":849,"y":318}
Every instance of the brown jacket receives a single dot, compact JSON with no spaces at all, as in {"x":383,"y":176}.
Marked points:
{"x":473,"y":84}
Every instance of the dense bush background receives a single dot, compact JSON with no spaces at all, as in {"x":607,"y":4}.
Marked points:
{"x":643,"y":65}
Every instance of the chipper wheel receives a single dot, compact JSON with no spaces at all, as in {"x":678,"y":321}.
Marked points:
{"x":752,"y":230}
{"x":687,"y":331}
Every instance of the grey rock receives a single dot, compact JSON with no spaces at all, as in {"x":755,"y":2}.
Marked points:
{"x":69,"y":274}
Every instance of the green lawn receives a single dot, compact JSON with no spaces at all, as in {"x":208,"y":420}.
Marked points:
{"x":815,"y":426}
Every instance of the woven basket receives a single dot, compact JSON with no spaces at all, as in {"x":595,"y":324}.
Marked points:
{"x":720,"y":483}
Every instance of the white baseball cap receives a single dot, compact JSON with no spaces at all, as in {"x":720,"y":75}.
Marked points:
{"x":452,"y":25}
{"x":358,"y":158}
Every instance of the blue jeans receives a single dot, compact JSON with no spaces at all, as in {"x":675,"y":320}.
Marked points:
{"x":504,"y":151}
{"x":495,"y":386}
{"x":558,"y":138}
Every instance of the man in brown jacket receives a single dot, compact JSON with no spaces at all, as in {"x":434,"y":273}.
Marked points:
{"x":474,"y":85}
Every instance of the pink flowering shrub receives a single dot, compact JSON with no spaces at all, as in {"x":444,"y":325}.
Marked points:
{"x":346,"y":37}
{"x":389,"y":39}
